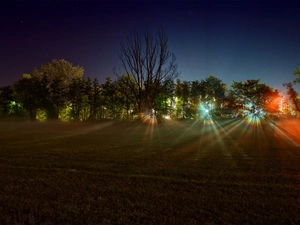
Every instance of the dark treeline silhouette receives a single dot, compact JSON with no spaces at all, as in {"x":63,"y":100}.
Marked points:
{"x":149,"y":86}
{"x":74,"y":98}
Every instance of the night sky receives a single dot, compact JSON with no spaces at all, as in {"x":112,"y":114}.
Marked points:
{"x":232,"y":40}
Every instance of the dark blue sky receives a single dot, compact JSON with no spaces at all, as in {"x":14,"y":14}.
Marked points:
{"x":232,"y":40}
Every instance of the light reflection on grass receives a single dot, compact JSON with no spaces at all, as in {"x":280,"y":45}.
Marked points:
{"x":109,"y":174}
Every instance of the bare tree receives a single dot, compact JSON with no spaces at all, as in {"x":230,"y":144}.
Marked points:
{"x":148,"y":66}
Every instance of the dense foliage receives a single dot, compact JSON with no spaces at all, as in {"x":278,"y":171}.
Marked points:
{"x":150,"y":86}
{"x":79,"y":99}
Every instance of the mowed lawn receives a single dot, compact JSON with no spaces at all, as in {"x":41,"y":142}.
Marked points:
{"x":175,"y":172}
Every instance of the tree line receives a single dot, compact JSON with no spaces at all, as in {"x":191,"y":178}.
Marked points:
{"x":148,"y":85}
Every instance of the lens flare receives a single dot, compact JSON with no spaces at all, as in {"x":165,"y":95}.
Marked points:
{"x":149,"y":119}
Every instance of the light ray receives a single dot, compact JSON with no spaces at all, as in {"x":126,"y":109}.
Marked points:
{"x":286,"y":131}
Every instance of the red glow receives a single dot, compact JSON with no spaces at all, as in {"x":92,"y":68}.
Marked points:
{"x":290,"y":128}
{"x":274,"y":105}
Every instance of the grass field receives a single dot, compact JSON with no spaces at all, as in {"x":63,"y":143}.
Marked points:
{"x":176,"y":172}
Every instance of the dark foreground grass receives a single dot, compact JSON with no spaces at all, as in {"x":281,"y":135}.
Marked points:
{"x":226,"y":172}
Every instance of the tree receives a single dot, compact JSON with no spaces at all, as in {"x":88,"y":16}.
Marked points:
{"x":148,"y":66}
{"x":214,"y":90}
{"x":182,"y":93}
{"x":297,"y":74}
{"x":292,"y":94}
{"x":28,"y":93}
{"x":56,"y":77}
{"x":109,"y":107}
{"x":124,"y":101}
{"x":61,"y":69}
{"x":233,"y":100}
{"x":253,"y":96}
{"x":76,"y":96}
{"x":164,"y":101}
{"x":6,"y":97}
{"x":195,"y":97}
{"x":94,"y":97}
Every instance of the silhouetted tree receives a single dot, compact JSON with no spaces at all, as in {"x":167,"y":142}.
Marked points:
{"x":182,"y":93}
{"x":196,"y":93}
{"x":148,"y":64}
{"x":57,"y":76}
{"x":214,"y":90}
{"x":292,"y":94}
{"x":297,"y":74}
{"x":6,"y":98}
{"x":27,"y":91}
{"x":164,"y":101}
{"x":125,"y":94}
{"x":252,"y":95}
{"x":94,"y":97}
{"x":109,"y":107}
{"x":233,"y":100}
{"x":76,"y":96}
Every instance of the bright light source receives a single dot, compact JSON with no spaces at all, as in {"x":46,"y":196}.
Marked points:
{"x":167,"y":117}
